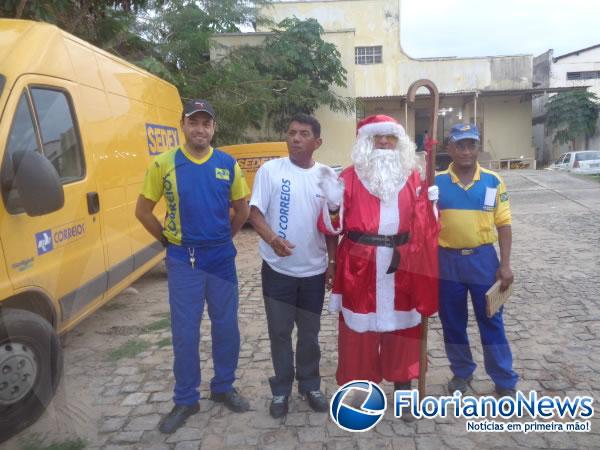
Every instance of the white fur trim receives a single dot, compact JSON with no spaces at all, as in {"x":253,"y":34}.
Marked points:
{"x":335,"y":303}
{"x":327,"y":218}
{"x":381,"y":128}
{"x":389,"y":221}
{"x":394,"y":320}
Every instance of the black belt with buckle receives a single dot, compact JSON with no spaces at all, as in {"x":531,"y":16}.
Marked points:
{"x":466,"y":251}
{"x":380,"y":240}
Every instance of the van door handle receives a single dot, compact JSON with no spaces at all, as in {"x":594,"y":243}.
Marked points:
{"x":93,"y":202}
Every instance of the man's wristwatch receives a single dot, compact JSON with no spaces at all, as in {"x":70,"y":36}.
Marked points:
{"x":332,"y":261}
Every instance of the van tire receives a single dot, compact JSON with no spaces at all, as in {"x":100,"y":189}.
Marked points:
{"x":30,"y":348}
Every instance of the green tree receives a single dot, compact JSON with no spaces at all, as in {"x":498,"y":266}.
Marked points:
{"x":304,"y":68}
{"x":179,"y":32}
{"x":572,"y":114}
{"x":253,"y":87}
{"x":260,"y":87}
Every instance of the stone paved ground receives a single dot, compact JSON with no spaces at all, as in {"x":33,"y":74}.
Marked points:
{"x":553,"y":323}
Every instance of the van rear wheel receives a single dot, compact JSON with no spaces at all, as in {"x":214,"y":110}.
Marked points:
{"x":30,"y":369}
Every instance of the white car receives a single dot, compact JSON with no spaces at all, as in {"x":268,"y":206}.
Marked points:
{"x":584,"y":161}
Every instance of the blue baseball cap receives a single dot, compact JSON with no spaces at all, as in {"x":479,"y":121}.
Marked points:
{"x":464,"y":131}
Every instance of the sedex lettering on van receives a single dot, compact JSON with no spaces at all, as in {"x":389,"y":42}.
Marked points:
{"x":161,"y":138}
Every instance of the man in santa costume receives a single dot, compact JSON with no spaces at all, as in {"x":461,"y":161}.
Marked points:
{"x":386,"y":262}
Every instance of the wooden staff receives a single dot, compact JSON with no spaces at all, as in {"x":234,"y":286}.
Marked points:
{"x":430,"y":168}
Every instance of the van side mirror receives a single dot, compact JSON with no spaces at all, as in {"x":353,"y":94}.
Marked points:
{"x":37,"y":183}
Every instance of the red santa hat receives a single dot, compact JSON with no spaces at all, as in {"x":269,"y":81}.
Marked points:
{"x":379,"y":124}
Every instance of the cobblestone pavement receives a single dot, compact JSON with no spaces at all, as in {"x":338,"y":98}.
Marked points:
{"x":553,"y":324}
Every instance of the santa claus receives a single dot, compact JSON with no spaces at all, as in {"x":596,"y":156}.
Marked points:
{"x":386,"y":262}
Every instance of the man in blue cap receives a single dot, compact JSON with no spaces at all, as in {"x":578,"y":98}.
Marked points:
{"x":474,"y":214}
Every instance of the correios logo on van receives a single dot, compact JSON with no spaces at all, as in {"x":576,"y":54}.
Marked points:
{"x":48,"y":240}
{"x":161,"y":138}
{"x":43,"y":242}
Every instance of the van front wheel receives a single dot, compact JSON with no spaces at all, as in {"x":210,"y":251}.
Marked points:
{"x":30,"y":369}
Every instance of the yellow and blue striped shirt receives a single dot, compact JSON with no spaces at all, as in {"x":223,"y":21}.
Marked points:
{"x":197,"y":193}
{"x":469,"y":215}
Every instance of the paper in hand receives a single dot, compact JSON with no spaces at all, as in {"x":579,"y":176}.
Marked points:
{"x":494,"y":298}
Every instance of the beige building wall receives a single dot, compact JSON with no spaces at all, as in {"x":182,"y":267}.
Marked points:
{"x":338,"y":129}
{"x":507,"y":131}
{"x":377,"y":22}
{"x":221,"y":44}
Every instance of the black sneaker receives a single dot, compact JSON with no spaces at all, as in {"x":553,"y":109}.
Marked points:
{"x":402,"y":386}
{"x":317,"y":401}
{"x":505,"y":392}
{"x":279,"y":406}
{"x":232,"y":399}
{"x":177,"y":417}
{"x":459,"y":384}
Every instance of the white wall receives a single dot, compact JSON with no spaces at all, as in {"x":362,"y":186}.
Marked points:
{"x":588,"y":60}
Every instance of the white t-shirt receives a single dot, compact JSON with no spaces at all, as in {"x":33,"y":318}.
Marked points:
{"x":291,"y":201}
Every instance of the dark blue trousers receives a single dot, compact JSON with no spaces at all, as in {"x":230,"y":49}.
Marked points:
{"x":288,"y":301}
{"x":475,"y":274}
{"x":188,"y":290}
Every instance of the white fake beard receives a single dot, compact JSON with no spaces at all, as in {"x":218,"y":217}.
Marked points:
{"x":383,"y":172}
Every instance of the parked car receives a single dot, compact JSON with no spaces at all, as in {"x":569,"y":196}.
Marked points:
{"x":584,"y":162}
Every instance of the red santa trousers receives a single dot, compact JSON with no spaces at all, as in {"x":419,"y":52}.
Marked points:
{"x":393,"y":355}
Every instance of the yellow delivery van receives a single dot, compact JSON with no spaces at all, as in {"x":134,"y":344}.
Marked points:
{"x":251,"y":156}
{"x":78,"y":127}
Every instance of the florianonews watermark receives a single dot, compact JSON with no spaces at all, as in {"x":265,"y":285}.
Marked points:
{"x":548,"y":414}
{"x":480,"y":409}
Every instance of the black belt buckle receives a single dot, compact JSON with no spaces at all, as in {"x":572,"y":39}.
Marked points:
{"x":385,"y":241}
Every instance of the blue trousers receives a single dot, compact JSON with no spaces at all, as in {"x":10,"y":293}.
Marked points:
{"x":188,"y":290}
{"x":474,"y":273}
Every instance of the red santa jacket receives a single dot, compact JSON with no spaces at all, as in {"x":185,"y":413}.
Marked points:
{"x":370,"y":299}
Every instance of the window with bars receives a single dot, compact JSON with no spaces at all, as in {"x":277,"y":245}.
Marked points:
{"x":368,"y":55}
{"x":585,"y":75}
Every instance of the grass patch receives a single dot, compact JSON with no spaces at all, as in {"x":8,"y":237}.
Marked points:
{"x":166,"y":342}
{"x":595,"y":178}
{"x":161,"y":324}
{"x":129,"y":349}
{"x":114,"y":306}
{"x":36,"y":443}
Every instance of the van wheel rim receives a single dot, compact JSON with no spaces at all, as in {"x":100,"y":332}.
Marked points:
{"x":18,"y":371}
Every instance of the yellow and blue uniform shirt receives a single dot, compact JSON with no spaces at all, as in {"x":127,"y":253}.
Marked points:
{"x":470,"y":214}
{"x":197,"y":193}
